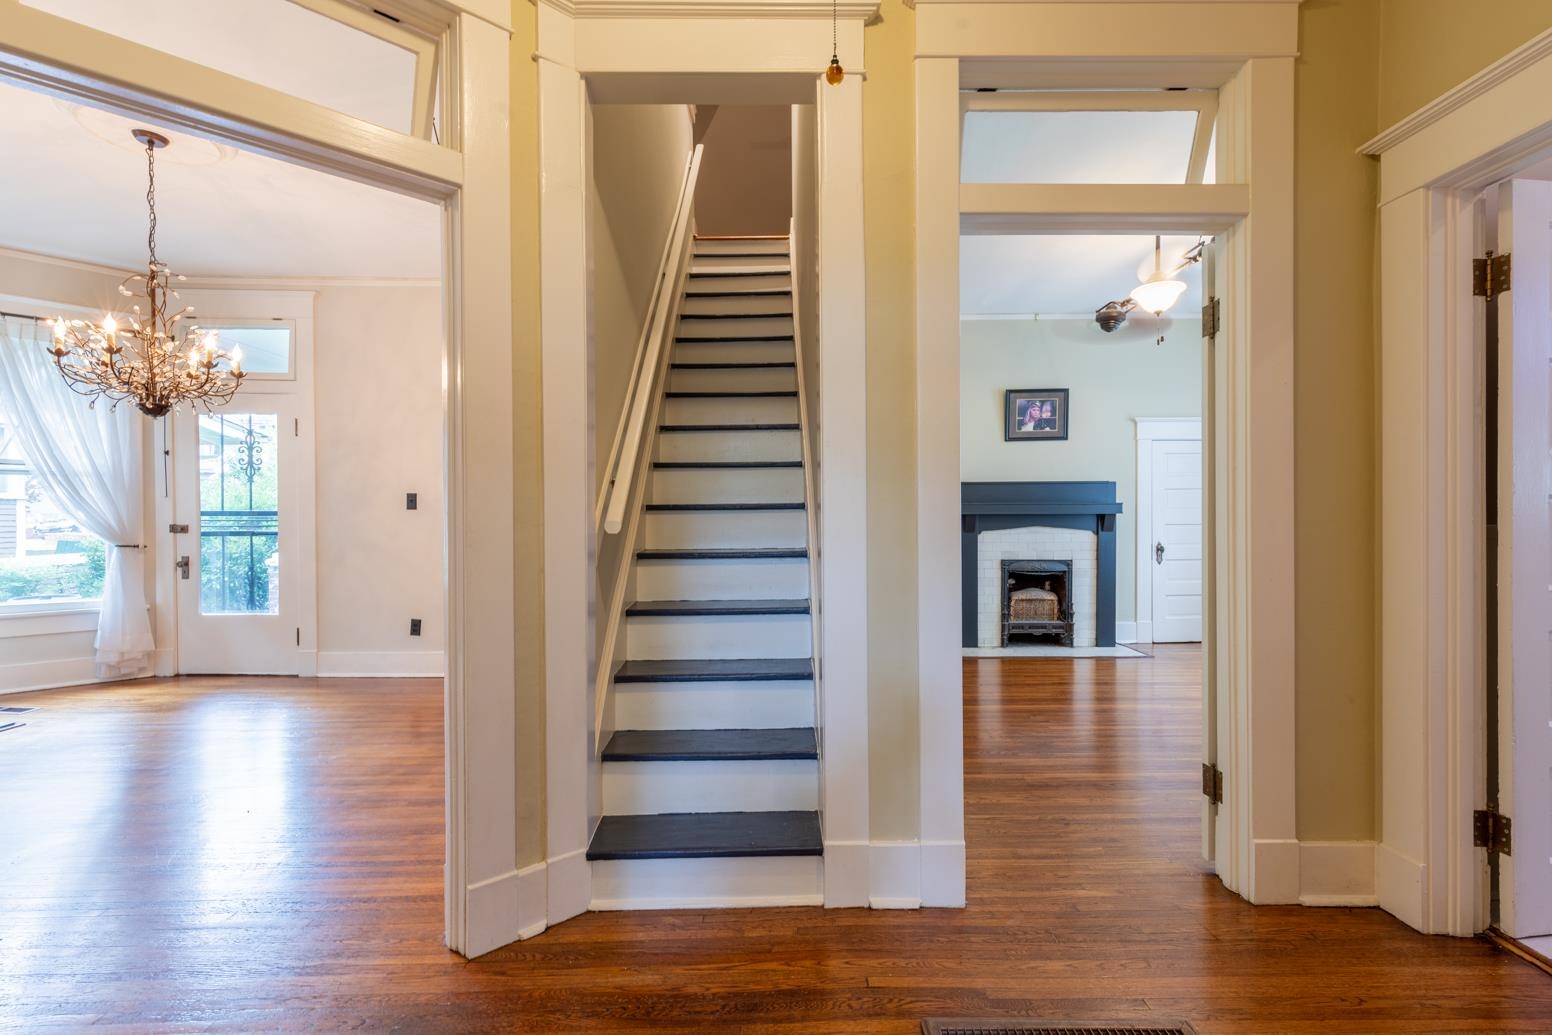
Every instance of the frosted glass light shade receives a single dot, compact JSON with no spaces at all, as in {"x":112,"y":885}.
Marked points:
{"x":1158,"y":294}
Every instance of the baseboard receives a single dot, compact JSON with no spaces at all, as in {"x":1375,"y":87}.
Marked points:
{"x":1399,"y":884}
{"x":894,"y":875}
{"x":532,"y":899}
{"x":1337,"y":873}
{"x":1126,"y":632}
{"x":23,"y":676}
{"x":845,"y":874}
{"x":1144,"y":633}
{"x":1275,"y":878}
{"x":492,"y":914}
{"x":335,"y":664}
{"x":943,"y":874}
{"x":570,"y":889}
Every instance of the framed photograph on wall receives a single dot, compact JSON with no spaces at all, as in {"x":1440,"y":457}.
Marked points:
{"x":1035,"y":414}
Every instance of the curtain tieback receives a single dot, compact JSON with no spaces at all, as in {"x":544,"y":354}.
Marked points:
{"x":129,"y":546}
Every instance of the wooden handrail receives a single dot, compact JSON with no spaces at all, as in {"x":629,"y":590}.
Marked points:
{"x":659,"y":349}
{"x":653,"y":303}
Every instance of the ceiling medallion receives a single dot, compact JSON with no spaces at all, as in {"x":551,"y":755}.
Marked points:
{"x":157,"y":362}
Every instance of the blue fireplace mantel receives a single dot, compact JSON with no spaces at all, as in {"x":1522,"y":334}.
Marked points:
{"x":1086,"y":506}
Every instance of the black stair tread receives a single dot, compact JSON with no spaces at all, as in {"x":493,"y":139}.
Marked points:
{"x":733,"y":339}
{"x":747,"y":293}
{"x":777,"y":271}
{"x":735,"y":316}
{"x":686,"y":608}
{"x":736,"y":505}
{"x":706,"y":835}
{"x":739,"y":255}
{"x":737,"y":670}
{"x":732,"y":395}
{"x":722,"y":465}
{"x":728,"y":427}
{"x":776,"y":745}
{"x":733,"y":366}
{"x":729,"y":553}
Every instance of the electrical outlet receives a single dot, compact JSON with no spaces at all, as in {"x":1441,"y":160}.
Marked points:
{"x":414,"y":626}
{"x":411,"y":500}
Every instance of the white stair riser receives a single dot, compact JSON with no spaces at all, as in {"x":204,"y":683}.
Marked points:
{"x":675,"y":637}
{"x":638,"y":788}
{"x":732,"y":304}
{"x":692,"y":446}
{"x":764,"y":282}
{"x":774,"y":327}
{"x":709,"y":530}
{"x":745,"y":379}
{"x":732,"y":410}
{"x":731,"y":485}
{"x":741,"y":246}
{"x":736,"y":352}
{"x":708,"y":883}
{"x":744,"y":269}
{"x":763,"y":579}
{"x":713,"y":706}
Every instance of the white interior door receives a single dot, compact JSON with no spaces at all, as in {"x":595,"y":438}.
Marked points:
{"x":244,"y":561}
{"x":1525,"y":558}
{"x":1177,"y":541}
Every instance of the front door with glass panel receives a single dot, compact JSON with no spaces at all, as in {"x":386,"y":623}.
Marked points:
{"x":236,"y":494}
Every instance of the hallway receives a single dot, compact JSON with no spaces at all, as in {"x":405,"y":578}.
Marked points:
{"x":240,"y":855}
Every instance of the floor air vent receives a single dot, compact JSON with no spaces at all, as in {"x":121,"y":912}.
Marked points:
{"x":992,"y":1026}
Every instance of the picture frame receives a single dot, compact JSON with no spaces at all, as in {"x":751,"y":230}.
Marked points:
{"x":1035,"y":415}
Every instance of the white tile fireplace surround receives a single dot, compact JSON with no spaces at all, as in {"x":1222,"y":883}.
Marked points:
{"x":1036,"y":543}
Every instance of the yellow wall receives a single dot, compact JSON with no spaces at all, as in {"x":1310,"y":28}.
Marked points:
{"x":1336,"y":442}
{"x":889,"y":179}
{"x":1428,"y":46}
{"x":527,"y":460}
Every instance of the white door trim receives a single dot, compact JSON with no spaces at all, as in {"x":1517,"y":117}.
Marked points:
{"x":1432,"y":637}
{"x":1151,"y":430}
{"x":1252,"y":660}
{"x":470,"y":177}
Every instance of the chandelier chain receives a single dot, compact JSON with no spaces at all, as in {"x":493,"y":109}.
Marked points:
{"x":151,"y":198}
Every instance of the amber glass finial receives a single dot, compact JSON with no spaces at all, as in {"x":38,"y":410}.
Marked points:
{"x":835,"y":73}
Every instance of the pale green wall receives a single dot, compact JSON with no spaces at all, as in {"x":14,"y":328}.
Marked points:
{"x":1112,"y":379}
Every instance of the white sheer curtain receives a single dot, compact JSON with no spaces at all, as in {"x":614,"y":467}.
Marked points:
{"x":87,"y":459}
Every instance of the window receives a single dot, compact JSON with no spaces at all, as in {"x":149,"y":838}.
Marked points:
{"x":266,"y":350}
{"x":45,"y":557}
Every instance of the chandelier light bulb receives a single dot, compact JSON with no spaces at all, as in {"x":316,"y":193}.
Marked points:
{"x":110,"y":326}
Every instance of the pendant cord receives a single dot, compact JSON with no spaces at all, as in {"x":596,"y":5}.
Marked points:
{"x":835,"y":31}
{"x":151,"y":199}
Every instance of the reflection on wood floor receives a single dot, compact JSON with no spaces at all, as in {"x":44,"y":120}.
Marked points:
{"x":265,"y":855}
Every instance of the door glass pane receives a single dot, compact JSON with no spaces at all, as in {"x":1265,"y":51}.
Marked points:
{"x":265,"y":350}
{"x":239,"y":514}
{"x":1077,"y":146}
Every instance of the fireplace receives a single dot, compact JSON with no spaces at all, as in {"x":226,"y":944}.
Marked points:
{"x":1037,"y":600}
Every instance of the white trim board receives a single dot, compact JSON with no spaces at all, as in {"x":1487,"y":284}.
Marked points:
{"x":333,"y":664}
{"x":1432,"y":656}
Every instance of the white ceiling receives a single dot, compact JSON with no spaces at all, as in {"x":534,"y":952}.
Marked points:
{"x":73,"y":185}
{"x":1063,"y":274}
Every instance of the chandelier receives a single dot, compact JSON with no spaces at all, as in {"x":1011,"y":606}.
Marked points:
{"x":158,"y":362}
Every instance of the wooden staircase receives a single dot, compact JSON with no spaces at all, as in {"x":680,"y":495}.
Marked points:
{"x":710,"y":783}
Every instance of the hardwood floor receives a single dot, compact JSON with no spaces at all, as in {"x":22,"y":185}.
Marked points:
{"x":219,"y":855}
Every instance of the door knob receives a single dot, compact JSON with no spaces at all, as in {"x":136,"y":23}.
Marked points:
{"x":183,"y":566}
{"x":1158,"y":555}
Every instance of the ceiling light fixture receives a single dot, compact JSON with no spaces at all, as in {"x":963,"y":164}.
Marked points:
{"x":1159,"y":293}
{"x":156,"y":362}
{"x":835,"y":73}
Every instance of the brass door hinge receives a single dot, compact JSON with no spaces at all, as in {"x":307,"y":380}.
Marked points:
{"x":1491,"y":276}
{"x":1212,"y":783}
{"x":1210,"y":319}
{"x":1491,"y":830}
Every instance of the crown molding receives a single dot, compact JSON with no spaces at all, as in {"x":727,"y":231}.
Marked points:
{"x":848,"y":10}
{"x":1539,"y":48}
